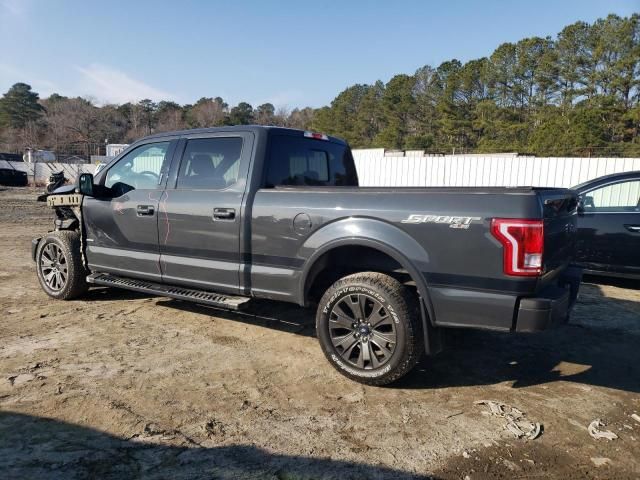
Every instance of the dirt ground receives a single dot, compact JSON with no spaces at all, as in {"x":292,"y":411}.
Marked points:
{"x":120,"y":385}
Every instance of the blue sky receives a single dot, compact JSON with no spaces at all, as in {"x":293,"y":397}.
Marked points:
{"x":290,"y":53}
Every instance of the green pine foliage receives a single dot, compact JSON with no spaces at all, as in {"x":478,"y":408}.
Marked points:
{"x":19,"y":106}
{"x":577,"y":94}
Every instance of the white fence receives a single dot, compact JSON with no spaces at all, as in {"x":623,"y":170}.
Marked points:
{"x":376,"y":169}
{"x":39,"y":172}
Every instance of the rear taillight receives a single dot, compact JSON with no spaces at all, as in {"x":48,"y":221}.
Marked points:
{"x":523,"y":243}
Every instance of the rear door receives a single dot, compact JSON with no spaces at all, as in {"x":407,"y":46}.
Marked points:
{"x":200,"y":212}
{"x":609,"y":228}
{"x":122,"y":228}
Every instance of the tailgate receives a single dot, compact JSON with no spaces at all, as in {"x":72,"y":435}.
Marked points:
{"x":560,"y":228}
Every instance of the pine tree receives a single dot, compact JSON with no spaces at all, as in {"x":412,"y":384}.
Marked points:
{"x":19,"y":106}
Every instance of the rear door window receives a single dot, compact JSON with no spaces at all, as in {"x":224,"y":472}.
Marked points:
{"x":305,"y":161}
{"x":210,"y":163}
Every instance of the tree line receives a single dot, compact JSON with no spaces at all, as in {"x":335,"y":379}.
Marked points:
{"x":576,"y":94}
{"x":79,"y":126}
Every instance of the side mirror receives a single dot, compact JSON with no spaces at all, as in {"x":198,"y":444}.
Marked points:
{"x":85,"y":184}
{"x":588,"y":202}
{"x":585,"y":202}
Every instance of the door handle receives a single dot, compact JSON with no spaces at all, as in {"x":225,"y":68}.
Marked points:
{"x":144,"y":210}
{"x":224,"y":214}
{"x":633,"y":228}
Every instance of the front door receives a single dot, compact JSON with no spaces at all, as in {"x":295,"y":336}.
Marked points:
{"x":200,"y":212}
{"x":122,"y":227}
{"x":609,"y":228}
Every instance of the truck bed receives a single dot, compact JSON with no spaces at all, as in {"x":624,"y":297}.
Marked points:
{"x":462,"y":267}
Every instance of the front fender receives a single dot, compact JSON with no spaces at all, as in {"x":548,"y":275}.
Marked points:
{"x":34,"y":247}
{"x":368,"y":232}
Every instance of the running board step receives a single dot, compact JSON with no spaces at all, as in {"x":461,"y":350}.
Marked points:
{"x":171,"y":291}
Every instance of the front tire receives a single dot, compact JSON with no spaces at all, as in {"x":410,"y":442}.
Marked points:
{"x":59,"y":265}
{"x":369,"y":328}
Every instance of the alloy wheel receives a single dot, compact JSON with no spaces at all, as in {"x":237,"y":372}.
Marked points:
{"x":53,"y":267}
{"x":362,"y":331}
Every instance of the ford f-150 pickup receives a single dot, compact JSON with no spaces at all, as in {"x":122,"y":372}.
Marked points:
{"x":223,"y":215}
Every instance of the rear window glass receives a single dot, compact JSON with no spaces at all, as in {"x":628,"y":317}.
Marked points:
{"x":306,"y":161}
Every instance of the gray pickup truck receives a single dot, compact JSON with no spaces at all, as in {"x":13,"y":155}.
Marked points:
{"x":220,"y":216}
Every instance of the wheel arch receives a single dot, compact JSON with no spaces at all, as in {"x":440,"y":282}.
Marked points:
{"x":373,"y":234}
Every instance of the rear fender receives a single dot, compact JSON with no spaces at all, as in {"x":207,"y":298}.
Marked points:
{"x":376,"y":234}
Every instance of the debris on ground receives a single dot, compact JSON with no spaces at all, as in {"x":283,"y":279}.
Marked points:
{"x":636,"y":417}
{"x":516,"y":421}
{"x":455,"y":414}
{"x":596,"y":432}
{"x":600,"y":461}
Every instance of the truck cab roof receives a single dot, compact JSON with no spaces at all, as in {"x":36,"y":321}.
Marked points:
{"x":258,"y":129}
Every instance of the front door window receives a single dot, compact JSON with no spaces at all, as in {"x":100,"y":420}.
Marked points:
{"x":616,"y":197}
{"x":139,"y":169}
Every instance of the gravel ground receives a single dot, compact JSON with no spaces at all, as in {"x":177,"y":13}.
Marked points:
{"x":121,"y":385}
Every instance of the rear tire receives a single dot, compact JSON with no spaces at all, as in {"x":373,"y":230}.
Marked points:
{"x":59,"y":265}
{"x":369,"y":328}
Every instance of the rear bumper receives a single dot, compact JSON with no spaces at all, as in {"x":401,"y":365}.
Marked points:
{"x":552,"y":306}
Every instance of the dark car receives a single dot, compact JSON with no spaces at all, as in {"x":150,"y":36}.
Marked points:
{"x":13,"y":177}
{"x":609,"y":225}
{"x":220,"y":216}
{"x":11,"y":157}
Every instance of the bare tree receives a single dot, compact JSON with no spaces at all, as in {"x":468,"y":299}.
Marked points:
{"x":170,"y":116}
{"x":207,"y":112}
{"x":300,"y":118}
